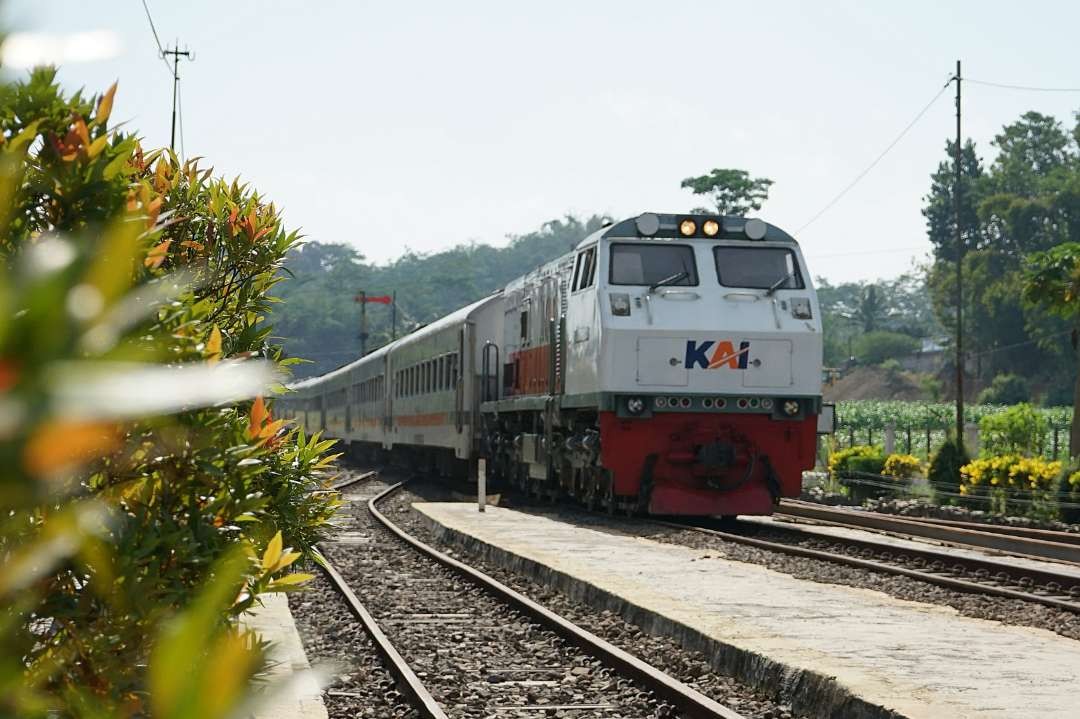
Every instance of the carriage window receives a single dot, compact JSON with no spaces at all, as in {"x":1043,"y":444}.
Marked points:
{"x":524,"y":326}
{"x":648,"y":264}
{"x":585,"y":271}
{"x":758,"y":268}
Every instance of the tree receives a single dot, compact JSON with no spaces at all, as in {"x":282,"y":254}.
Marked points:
{"x":878,"y":346}
{"x":939,"y":209}
{"x":1031,"y":151}
{"x":732,"y":192}
{"x":1052,"y":282}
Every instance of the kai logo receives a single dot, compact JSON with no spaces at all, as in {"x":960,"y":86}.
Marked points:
{"x":713,"y":354}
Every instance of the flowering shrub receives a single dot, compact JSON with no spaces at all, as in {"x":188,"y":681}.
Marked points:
{"x":1010,"y":471}
{"x":902,"y":466}
{"x":860,"y":458}
{"x":1013,"y":484}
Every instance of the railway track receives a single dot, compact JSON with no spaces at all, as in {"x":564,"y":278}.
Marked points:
{"x":961,"y":572}
{"x":1019,"y":541}
{"x":460,"y":643}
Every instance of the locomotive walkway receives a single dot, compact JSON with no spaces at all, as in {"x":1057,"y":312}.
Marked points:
{"x":836,"y":650}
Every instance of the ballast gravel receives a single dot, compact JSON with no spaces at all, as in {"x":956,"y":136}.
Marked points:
{"x":477,"y":657}
{"x":690,"y":667}
{"x":356,"y":684}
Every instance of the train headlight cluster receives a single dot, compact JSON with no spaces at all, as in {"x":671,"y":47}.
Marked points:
{"x":635,"y":405}
{"x":791,"y":407}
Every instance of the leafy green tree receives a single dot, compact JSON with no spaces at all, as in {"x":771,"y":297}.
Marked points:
{"x":1006,"y":389}
{"x":880,"y":345}
{"x":939,"y":208}
{"x":1052,"y":282}
{"x":731,"y":192}
{"x":1031,"y":151}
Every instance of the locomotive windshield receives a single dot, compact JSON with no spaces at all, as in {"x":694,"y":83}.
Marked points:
{"x":760,"y":268}
{"x":641,"y":264}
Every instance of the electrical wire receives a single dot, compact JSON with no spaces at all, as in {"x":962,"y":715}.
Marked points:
{"x":878,"y":159}
{"x":1025,"y":88}
{"x":882,"y":251}
{"x":157,"y":40}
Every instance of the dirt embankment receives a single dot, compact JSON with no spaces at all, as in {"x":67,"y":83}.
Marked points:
{"x":875,"y":383}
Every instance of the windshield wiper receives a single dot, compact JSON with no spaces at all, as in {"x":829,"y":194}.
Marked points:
{"x":776,"y":285}
{"x":677,"y":277}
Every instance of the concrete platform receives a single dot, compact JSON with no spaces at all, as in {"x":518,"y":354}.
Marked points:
{"x":831,"y":650}
{"x":294,"y":690}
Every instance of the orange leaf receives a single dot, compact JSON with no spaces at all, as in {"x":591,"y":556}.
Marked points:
{"x":64,"y":443}
{"x":157,"y":255}
{"x":259,"y":415}
{"x":104,"y":107}
{"x":152,"y":211}
{"x":271,"y":428}
{"x":82,"y":131}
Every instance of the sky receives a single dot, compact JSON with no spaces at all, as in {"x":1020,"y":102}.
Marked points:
{"x":420,"y":125}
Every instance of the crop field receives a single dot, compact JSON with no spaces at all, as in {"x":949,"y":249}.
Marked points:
{"x":922,"y":426}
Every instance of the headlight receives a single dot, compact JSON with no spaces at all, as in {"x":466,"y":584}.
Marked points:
{"x":620,"y":304}
{"x":687,"y":227}
{"x":635,"y":405}
{"x":711,"y":228}
{"x":791,"y":407}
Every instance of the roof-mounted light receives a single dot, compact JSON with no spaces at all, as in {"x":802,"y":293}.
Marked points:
{"x":711,"y":228}
{"x":648,"y":224}
{"x":687,"y":227}
{"x":755,"y":229}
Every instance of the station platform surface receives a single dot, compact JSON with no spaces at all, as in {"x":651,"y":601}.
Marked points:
{"x":850,"y":651}
{"x":293,"y":689}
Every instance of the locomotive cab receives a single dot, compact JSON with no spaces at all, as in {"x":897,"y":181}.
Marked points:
{"x":701,"y":337}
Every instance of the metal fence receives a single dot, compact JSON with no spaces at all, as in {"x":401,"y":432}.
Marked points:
{"x":923,"y":438}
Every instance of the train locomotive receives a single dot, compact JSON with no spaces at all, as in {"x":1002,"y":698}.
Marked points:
{"x":668,"y":365}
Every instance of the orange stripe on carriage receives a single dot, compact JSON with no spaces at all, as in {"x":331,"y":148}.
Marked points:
{"x":422,"y":420}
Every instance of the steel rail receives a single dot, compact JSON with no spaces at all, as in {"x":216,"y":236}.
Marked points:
{"x":405,"y":679}
{"x":338,"y":486}
{"x":686,"y":699}
{"x":1049,"y":535}
{"x":994,"y":570}
{"x":1027,"y":547}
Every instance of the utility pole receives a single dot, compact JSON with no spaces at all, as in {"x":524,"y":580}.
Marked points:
{"x":176,"y":53}
{"x":959,"y":276}
{"x":361,"y":297}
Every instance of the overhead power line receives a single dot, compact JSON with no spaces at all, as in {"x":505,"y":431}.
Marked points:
{"x":1025,"y":88}
{"x":157,"y":40}
{"x":877,"y":159}
{"x":882,"y":251}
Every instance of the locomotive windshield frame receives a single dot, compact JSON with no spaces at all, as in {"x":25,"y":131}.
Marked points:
{"x":790,"y":272}
{"x":651,"y":273}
